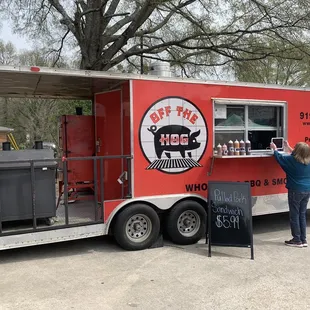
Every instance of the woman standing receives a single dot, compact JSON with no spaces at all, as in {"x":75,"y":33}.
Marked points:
{"x":297,"y":169}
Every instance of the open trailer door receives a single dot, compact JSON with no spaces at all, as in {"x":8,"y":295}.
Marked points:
{"x":109,"y":137}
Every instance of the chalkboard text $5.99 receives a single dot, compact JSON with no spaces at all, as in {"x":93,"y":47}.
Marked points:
{"x":230,"y":214}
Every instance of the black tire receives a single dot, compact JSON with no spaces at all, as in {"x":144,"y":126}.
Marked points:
{"x":195,"y":216}
{"x":145,"y":218}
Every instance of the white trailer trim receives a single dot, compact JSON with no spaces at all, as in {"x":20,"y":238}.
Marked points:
{"x":42,"y":82}
{"x":51,"y":236}
{"x":131,"y":76}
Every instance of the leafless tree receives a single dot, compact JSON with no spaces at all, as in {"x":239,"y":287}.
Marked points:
{"x":202,"y":33}
{"x":8,"y":55}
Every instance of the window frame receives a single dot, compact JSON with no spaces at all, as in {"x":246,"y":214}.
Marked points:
{"x":246,"y":128}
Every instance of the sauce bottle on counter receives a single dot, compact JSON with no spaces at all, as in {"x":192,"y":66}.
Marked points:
{"x":230,"y":148}
{"x":242,"y":148}
{"x":219,"y":149}
{"x":224,"y":150}
{"x":248,"y":147}
{"x":237,"y":147}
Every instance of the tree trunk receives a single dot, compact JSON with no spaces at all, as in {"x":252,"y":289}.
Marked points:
{"x":91,"y":53}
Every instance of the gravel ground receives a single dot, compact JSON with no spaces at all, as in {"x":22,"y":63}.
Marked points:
{"x":97,"y":274}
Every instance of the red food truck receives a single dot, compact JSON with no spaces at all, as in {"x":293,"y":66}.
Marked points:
{"x":146,"y":154}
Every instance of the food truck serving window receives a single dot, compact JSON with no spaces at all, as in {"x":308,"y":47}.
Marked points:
{"x":257,"y":121}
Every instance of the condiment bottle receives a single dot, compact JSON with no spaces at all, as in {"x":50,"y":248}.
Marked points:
{"x":230,"y":148}
{"x":224,"y":150}
{"x":248,"y":147}
{"x":237,"y":147}
{"x":242,"y":147}
{"x":219,"y":149}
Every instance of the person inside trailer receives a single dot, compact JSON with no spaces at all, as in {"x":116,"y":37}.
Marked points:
{"x":297,"y":168}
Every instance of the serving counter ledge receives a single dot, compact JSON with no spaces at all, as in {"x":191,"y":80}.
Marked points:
{"x":253,"y":155}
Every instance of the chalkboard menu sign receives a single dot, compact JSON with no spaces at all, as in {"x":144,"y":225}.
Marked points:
{"x":230,"y":215}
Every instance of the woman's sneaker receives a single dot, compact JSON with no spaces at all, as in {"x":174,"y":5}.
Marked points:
{"x":304,"y":243}
{"x":294,"y":243}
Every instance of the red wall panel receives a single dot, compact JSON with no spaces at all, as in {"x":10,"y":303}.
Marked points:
{"x":152,"y":100}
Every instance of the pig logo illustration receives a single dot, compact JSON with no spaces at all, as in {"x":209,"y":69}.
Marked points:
{"x":173,"y":135}
{"x":174,"y":138}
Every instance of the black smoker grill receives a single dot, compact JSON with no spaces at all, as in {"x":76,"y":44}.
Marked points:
{"x":16,"y":185}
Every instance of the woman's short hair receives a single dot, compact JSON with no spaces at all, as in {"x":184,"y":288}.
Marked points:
{"x":302,"y":153}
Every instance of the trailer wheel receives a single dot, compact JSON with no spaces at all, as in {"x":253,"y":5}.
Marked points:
{"x":137,"y":227}
{"x":186,"y":222}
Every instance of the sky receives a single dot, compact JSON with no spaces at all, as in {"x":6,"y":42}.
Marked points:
{"x":7,"y":35}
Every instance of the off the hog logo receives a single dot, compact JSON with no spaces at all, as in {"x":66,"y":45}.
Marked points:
{"x":174,"y":138}
{"x":173,"y":135}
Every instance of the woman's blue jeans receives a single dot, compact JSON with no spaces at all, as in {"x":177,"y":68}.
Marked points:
{"x":297,"y":202}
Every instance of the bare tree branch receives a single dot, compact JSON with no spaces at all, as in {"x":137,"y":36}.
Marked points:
{"x":66,"y":19}
{"x":165,"y":20}
{"x":145,"y":11}
{"x":97,"y":9}
{"x":109,"y":14}
{"x":60,"y":48}
{"x":182,"y":32}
